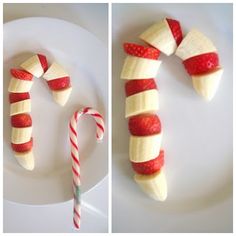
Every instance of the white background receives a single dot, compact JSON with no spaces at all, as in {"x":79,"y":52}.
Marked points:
{"x":58,"y":217}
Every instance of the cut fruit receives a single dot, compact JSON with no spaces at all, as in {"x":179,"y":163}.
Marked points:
{"x":55,"y":71}
{"x":202,"y":63}
{"x":149,"y":167}
{"x":20,"y":107}
{"x":144,"y":124}
{"x":43,"y":61}
{"x":137,"y":50}
{"x":147,"y":101}
{"x":25,"y":159}
{"x":21,"y":74}
{"x":194,"y":43}
{"x":206,"y":85}
{"x":21,"y":120}
{"x":16,"y":97}
{"x":61,"y":96}
{"x":19,"y":86}
{"x":176,"y":30}
{"x":139,"y":85}
{"x":154,"y":185}
{"x":21,"y":135}
{"x":144,"y":148}
{"x":23,"y":147}
{"x":139,"y":68}
{"x":160,"y":36}
{"x":58,"y":84}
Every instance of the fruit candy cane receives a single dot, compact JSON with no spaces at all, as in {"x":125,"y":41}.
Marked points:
{"x":75,"y":154}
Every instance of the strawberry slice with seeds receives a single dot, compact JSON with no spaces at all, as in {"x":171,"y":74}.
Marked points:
{"x":16,"y":97}
{"x":144,"y":124}
{"x":203,"y":63}
{"x":43,"y":62}
{"x":137,"y":50}
{"x":23,"y":147}
{"x":139,"y":85}
{"x":58,"y":84}
{"x":21,"y":120}
{"x":149,"y":167}
{"x":21,"y":74}
{"x":175,"y":30}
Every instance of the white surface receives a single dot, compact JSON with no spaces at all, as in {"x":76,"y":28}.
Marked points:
{"x":97,"y":197}
{"x":197,"y":136}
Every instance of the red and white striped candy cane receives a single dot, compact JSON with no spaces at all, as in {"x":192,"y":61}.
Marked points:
{"x":75,"y":154}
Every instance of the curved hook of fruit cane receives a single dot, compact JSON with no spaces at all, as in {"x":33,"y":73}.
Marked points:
{"x":75,"y":154}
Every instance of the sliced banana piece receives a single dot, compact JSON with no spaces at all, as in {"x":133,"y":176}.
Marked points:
{"x":20,"y":107}
{"x":154,"y":185}
{"x":206,"y":85}
{"x":144,"y":148}
{"x":61,"y":96}
{"x":147,"y":101}
{"x":33,"y":66}
{"x":160,"y":36}
{"x":55,"y":71}
{"x":19,"y":86}
{"x":139,"y":68}
{"x":194,"y":43}
{"x":21,"y":135}
{"x":25,"y":159}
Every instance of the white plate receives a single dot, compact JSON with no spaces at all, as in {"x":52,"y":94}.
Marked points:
{"x":85,"y":59}
{"x":197,"y":135}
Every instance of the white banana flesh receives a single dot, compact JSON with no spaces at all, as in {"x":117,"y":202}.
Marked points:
{"x":19,"y":86}
{"x":61,"y":96}
{"x":206,"y":85}
{"x":153,"y":185}
{"x":20,"y":107}
{"x":21,"y":135}
{"x":143,"y":102}
{"x":144,"y":148}
{"x":25,"y":159}
{"x":33,"y":66}
{"x":55,"y":71}
{"x":194,"y":43}
{"x":160,"y":36}
{"x":139,"y":68}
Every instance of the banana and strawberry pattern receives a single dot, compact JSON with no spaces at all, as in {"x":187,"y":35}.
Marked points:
{"x":20,"y":102}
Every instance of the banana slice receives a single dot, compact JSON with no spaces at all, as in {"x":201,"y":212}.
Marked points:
{"x":21,"y":135}
{"x":147,"y":101}
{"x":61,"y":96}
{"x":139,"y":68}
{"x":19,"y":86}
{"x":154,"y":185}
{"x":206,"y":85}
{"x":20,"y":107}
{"x":195,"y":43}
{"x":160,"y":36}
{"x":144,"y":148}
{"x":25,"y":159}
{"x":55,"y":71}
{"x":33,"y":66}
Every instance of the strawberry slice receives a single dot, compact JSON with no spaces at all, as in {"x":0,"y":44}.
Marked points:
{"x":58,"y":84}
{"x":139,"y":85}
{"x":16,"y":97}
{"x":202,"y":63}
{"x":175,"y":30}
{"x":144,"y":124}
{"x":23,"y":147}
{"x":21,"y":74}
{"x":141,"y":51}
{"x":43,"y":62}
{"x":21,"y":120}
{"x":149,"y":167}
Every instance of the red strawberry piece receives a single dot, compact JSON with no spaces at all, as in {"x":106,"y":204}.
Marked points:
{"x":141,"y":51}
{"x":176,"y":30}
{"x":149,"y":167}
{"x":16,"y":97}
{"x":21,"y":74}
{"x":144,"y":124}
{"x":43,"y":62}
{"x":23,"y":147}
{"x":202,"y":63}
{"x":58,"y":84}
{"x":139,"y":85}
{"x":21,"y":120}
